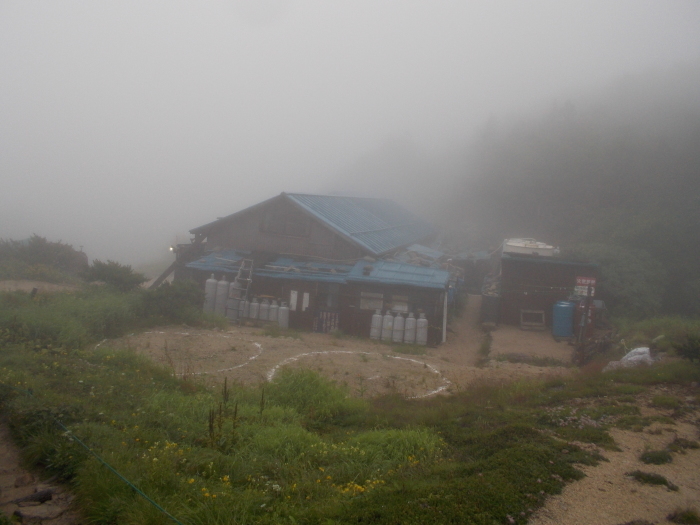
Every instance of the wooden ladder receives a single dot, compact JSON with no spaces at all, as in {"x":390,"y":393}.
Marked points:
{"x":243,"y":279}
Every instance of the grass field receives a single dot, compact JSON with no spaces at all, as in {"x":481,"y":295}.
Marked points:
{"x":298,"y":449}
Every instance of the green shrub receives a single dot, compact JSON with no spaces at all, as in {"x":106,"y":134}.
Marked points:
{"x":663,"y":401}
{"x":120,"y":276}
{"x":40,"y":259}
{"x":180,"y":302}
{"x":690,"y":348}
{"x":675,"y":330}
{"x":686,"y":516}
{"x":681,"y":444}
{"x":652,"y":479}
{"x":656,"y":457}
{"x":310,"y":394}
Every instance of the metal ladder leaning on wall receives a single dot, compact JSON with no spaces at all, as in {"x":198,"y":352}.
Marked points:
{"x":242,"y":281}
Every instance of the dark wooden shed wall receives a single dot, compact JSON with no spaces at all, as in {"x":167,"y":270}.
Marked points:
{"x":537,"y":285}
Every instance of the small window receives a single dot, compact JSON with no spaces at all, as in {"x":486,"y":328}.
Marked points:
{"x":371,"y":301}
{"x":399,"y":303}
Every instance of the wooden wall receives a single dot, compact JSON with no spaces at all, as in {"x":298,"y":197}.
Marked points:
{"x":537,"y":285}
{"x":255,"y":231}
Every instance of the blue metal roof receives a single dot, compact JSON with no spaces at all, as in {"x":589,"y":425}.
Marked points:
{"x":378,"y":225}
{"x":384,"y":272}
{"x":226,"y":261}
{"x":286,"y":268}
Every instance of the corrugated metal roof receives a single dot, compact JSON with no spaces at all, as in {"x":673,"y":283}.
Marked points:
{"x":384,"y":272}
{"x":286,"y":268}
{"x":378,"y":225}
{"x":226,"y":261}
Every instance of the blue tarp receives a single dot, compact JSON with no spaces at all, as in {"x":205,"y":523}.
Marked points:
{"x":286,"y":268}
{"x":227,"y":261}
{"x":393,"y":273}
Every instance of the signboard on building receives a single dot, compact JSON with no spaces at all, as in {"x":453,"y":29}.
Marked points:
{"x":582,"y":284}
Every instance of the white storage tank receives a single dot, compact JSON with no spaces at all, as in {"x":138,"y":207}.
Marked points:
{"x":246,"y":308}
{"x":409,"y":331}
{"x":375,"y":329}
{"x":254,"y":309}
{"x":422,"y":330}
{"x":398,"y":328}
{"x":283,"y":316}
{"x":387,"y":326}
{"x":221,"y":296}
{"x":210,"y":294}
{"x":232,"y":309}
{"x":272,"y":314}
{"x":264,"y":310}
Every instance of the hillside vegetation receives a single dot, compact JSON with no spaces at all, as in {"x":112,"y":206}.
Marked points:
{"x":299,"y":449}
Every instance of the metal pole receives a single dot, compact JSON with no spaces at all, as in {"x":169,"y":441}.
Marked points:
{"x":444,"y":320}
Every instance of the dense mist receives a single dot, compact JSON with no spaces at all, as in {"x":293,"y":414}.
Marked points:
{"x":123,"y":126}
{"x":614,"y":176}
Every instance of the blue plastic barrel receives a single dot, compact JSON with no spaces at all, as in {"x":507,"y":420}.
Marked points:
{"x":563,"y":320}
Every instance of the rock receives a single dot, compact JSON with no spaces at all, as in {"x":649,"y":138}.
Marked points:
{"x":47,"y":511}
{"x":41,"y":496}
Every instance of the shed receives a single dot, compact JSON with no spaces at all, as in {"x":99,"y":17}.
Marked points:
{"x":536,"y":283}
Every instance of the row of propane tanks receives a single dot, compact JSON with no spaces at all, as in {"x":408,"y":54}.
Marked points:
{"x":221,"y":297}
{"x":399,"y":330}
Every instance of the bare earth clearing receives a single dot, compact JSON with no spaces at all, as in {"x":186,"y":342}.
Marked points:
{"x":369,"y":368}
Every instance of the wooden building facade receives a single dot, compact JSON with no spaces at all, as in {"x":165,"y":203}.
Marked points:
{"x":533,"y":284}
{"x":323,"y":256}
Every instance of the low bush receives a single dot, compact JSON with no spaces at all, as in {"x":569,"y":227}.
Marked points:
{"x":652,"y":479}
{"x":674,"y":329}
{"x":688,"y":516}
{"x":177,"y":303}
{"x":689,"y":348}
{"x":656,"y":457}
{"x":119,"y":276}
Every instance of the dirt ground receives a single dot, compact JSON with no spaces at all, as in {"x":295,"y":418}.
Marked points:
{"x":244,"y":354}
{"x":28,"y":286}
{"x":368,"y":368}
{"x":606,"y":496}
{"x":17,"y":484}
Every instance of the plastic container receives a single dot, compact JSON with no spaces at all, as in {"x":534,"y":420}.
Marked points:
{"x":563,"y":319}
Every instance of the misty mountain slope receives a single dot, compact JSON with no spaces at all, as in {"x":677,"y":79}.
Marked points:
{"x":623,"y":172}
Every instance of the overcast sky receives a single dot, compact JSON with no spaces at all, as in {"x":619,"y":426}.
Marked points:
{"x":125,"y":123}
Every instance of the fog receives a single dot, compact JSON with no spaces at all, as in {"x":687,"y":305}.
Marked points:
{"x":123,"y":125}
